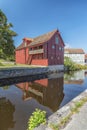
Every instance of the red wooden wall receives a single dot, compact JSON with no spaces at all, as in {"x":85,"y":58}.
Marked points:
{"x":51,"y":56}
{"x":20,"y":56}
{"x":55,"y":56}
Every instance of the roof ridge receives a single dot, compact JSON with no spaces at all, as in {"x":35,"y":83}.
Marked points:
{"x":43,"y":38}
{"x":39,"y":39}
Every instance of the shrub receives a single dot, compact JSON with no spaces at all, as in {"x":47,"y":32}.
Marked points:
{"x":1,"y":64}
{"x":36,"y":119}
{"x":71,"y":66}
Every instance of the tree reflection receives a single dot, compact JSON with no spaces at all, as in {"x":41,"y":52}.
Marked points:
{"x":74,"y":77}
{"x":6,"y":87}
{"x":6,"y":114}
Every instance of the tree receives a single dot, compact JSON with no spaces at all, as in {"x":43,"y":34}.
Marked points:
{"x":6,"y":38}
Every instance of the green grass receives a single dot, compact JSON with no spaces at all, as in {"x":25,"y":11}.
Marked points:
{"x":62,"y":123}
{"x":78,"y":104}
{"x":54,"y":126}
{"x":13,"y":65}
{"x":9,"y":64}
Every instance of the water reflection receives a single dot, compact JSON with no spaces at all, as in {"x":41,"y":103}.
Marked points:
{"x":74,"y":84}
{"x":74,"y":77}
{"x":7,"y":110}
{"x":48,"y":92}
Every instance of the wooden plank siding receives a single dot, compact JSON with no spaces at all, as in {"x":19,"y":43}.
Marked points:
{"x":42,"y":50}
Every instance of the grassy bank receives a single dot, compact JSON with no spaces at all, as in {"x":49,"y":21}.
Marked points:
{"x":9,"y":64}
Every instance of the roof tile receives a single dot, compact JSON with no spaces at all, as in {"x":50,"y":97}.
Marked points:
{"x":74,"y":51}
{"x":40,"y":39}
{"x":43,"y":38}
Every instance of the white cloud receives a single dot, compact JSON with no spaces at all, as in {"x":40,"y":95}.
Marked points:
{"x":67,"y":45}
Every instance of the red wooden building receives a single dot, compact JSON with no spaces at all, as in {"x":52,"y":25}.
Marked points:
{"x":45,"y":50}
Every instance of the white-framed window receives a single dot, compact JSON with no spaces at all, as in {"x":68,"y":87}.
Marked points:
{"x":51,"y":57}
{"x":58,"y":57}
{"x":56,"y":40}
{"x":60,"y":48}
{"x":53,"y":47}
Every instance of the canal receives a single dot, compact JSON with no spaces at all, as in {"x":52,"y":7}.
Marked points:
{"x":20,"y":97}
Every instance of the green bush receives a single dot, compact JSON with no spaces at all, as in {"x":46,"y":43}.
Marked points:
{"x":36,"y":119}
{"x":1,"y":64}
{"x":71,"y":66}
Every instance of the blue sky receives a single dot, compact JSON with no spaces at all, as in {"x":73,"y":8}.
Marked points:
{"x":32,"y":18}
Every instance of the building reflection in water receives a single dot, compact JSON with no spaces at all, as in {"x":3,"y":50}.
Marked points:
{"x":48,"y":92}
{"x":7,"y":110}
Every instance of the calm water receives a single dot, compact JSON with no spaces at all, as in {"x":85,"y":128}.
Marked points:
{"x":20,"y":98}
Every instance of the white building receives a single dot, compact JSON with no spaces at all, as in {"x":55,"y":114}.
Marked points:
{"x":85,"y":59}
{"x":76,"y":55}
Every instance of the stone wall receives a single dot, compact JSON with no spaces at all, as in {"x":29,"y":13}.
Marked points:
{"x":17,"y":72}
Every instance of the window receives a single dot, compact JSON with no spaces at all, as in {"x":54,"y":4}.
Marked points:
{"x":40,"y":56}
{"x":53,"y":47}
{"x":56,"y":40}
{"x":30,"y":49}
{"x":40,"y":47}
{"x":58,"y":57}
{"x":51,"y":57}
{"x":60,"y":48}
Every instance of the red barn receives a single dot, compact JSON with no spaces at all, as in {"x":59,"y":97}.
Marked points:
{"x":45,"y":50}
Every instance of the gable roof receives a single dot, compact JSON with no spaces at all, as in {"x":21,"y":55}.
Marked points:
{"x":37,"y":40}
{"x":73,"y":51}
{"x":43,"y":38}
{"x":28,"y":39}
{"x":23,"y":44}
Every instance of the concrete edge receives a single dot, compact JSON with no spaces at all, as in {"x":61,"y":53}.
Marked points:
{"x":61,"y":113}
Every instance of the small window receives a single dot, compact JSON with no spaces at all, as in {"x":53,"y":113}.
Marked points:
{"x":30,"y":49}
{"x":53,"y":47}
{"x":60,"y":48}
{"x":51,"y":57}
{"x":56,"y":40}
{"x":58,"y":57}
{"x":40,"y":47}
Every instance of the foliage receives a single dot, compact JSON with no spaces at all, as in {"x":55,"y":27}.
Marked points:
{"x":36,"y":119}
{"x":1,"y":64}
{"x":54,"y":126}
{"x":6,"y":37}
{"x":70,"y":65}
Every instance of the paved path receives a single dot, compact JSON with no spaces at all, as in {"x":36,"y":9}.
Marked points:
{"x":79,"y":120}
